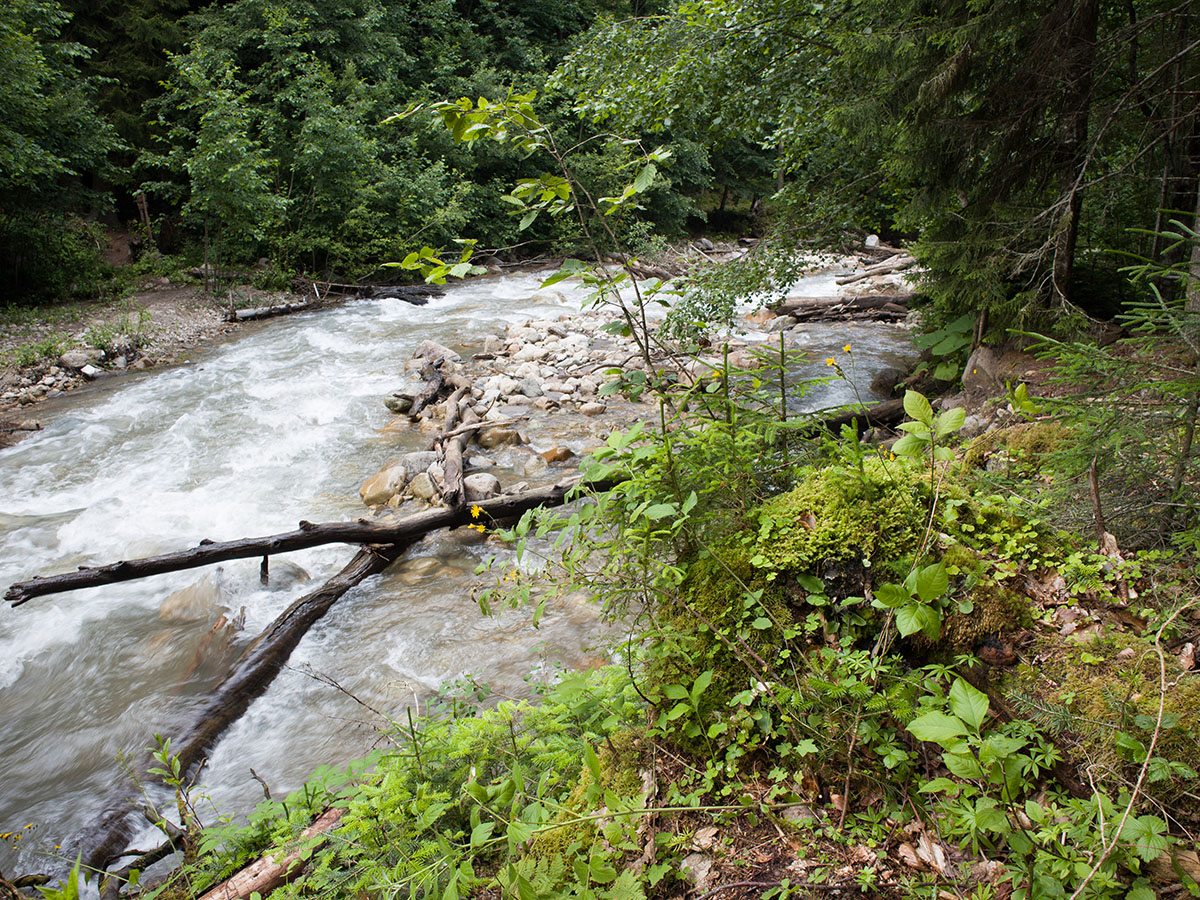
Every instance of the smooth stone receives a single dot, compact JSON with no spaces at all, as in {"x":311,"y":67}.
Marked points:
{"x":493,"y":344}
{"x":557,"y":454}
{"x":593,"y":409}
{"x":384,"y":484}
{"x":433,"y":351}
{"x":480,"y":462}
{"x":418,"y":460}
{"x":982,"y":372}
{"x":422,"y":487}
{"x":480,"y":486}
{"x":490,"y":438}
{"x":535,"y":466}
{"x":90,"y":371}
{"x":531,"y":387}
{"x":545,"y":403}
{"x":399,"y":403}
{"x":77,"y":359}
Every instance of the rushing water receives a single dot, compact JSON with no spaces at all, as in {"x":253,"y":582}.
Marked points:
{"x":280,"y":425}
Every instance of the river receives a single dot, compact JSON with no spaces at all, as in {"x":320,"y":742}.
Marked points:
{"x":282,"y":424}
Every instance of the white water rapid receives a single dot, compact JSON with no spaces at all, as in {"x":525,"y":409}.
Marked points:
{"x":279,"y":425}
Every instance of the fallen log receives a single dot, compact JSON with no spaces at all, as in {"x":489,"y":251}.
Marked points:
{"x":881,"y":307}
{"x":251,"y":677}
{"x":895,"y":264}
{"x":360,"y":531}
{"x":267,"y":312}
{"x":267,"y":873}
{"x":264,"y":658}
{"x":887,"y":414}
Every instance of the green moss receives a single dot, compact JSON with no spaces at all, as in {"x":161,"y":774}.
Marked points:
{"x":1099,"y":704}
{"x":620,"y":758}
{"x":835,"y":515}
{"x":1026,"y":445}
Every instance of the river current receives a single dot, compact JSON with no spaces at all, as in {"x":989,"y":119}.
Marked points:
{"x":282,"y":424}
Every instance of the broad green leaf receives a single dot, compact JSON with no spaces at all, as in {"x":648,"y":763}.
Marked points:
{"x":962,"y":764}
{"x":645,"y":178}
{"x":910,"y":445}
{"x":938,"y":728}
{"x":661,"y":511}
{"x":932,"y":582}
{"x":527,"y":220}
{"x":702,"y":682}
{"x":890,"y":596}
{"x":950,"y":421}
{"x":968,"y":703}
{"x":593,"y":763}
{"x":762,"y":623}
{"x":675,"y":691}
{"x":918,"y":407}
{"x":918,"y":617}
{"x":939,"y":785}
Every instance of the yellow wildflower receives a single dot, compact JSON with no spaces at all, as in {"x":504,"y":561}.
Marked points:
{"x":829,"y":360}
{"x":847,"y":348}
{"x":476,"y":511}
{"x":480,"y":528}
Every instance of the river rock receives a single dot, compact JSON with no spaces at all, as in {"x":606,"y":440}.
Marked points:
{"x":481,"y":462}
{"x":886,"y":379}
{"x":433,"y":351}
{"x":89,"y":371}
{"x":384,"y":484}
{"x":491,"y":438}
{"x":557,"y":454}
{"x":535,"y":466}
{"x":493,"y":344}
{"x":196,"y":601}
{"x":77,"y":359}
{"x":480,"y":486}
{"x":422,"y":487}
{"x":418,"y":460}
{"x":531,"y":387}
{"x":593,"y":408}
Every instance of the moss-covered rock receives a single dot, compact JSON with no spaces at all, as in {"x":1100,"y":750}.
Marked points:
{"x":876,"y":513}
{"x":1026,"y":445}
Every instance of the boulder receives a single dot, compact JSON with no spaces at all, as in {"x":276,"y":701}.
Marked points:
{"x":77,"y":359}
{"x":433,"y":351}
{"x":982,"y":373}
{"x":490,"y":438}
{"x":422,"y":487}
{"x":480,"y":486}
{"x":399,"y":403}
{"x":385,"y":484}
{"x":418,"y":460}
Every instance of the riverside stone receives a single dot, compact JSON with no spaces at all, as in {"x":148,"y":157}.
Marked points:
{"x":490,"y":438}
{"x":593,"y":408}
{"x":385,"y":484}
{"x":480,"y":486}
{"x":433,"y":351}
{"x":422,"y":487}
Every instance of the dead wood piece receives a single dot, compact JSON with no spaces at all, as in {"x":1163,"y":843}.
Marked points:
{"x":428,"y":393}
{"x":813,"y":309}
{"x":267,"y":312}
{"x":895,"y":264}
{"x":267,"y":873}
{"x":480,"y":425}
{"x":266,"y":656}
{"x":451,"y":417}
{"x":886,"y":414}
{"x":360,"y":531}
{"x":453,"y":492}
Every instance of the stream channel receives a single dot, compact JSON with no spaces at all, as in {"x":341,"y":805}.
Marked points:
{"x":282,"y":424}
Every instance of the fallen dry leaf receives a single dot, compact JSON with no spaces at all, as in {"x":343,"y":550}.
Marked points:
{"x":908,"y":856}
{"x":931,"y":853}
{"x":1187,"y":657}
{"x":703,"y":839}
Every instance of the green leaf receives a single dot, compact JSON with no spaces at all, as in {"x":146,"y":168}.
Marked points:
{"x":702,"y":682}
{"x":932,"y":582}
{"x":675,"y":692}
{"x":661,"y":511}
{"x":950,"y":421}
{"x":938,"y":785}
{"x":593,"y":763}
{"x":762,"y":623}
{"x":968,"y":703}
{"x":938,"y":728}
{"x":918,"y":617}
{"x":481,"y":832}
{"x":527,"y":220}
{"x":645,"y":178}
{"x":918,"y":407}
{"x":890,"y":596}
{"x":910,"y":445}
{"x":962,"y":764}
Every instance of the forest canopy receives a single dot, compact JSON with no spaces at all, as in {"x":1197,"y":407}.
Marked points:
{"x":1023,"y":151}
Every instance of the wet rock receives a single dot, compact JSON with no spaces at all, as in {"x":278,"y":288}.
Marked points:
{"x":491,"y":438}
{"x":385,"y":484}
{"x":557,"y":454}
{"x":886,"y":379}
{"x":481,"y":462}
{"x":418,"y":460}
{"x":493,"y":345}
{"x":433,"y":351}
{"x":480,"y":486}
{"x":196,"y":601}
{"x":535,"y":466}
{"x":593,"y":408}
{"x":545,"y":402}
{"x":422,"y":487}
